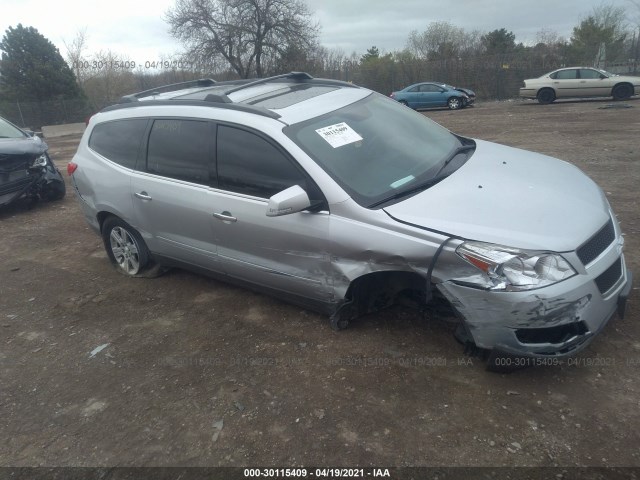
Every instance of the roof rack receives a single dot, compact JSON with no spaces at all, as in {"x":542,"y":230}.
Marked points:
{"x":301,"y":77}
{"x":260,"y":81}
{"x":242,"y":107}
{"x":203,"y":82}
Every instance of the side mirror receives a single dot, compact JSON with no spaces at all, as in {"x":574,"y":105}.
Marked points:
{"x":293,"y":199}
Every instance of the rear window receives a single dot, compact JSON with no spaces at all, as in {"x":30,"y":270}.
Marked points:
{"x":119,"y":141}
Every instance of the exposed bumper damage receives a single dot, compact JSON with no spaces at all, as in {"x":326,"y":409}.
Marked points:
{"x":553,"y":321}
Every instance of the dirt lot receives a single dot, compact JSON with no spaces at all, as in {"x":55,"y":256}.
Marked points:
{"x":197,"y":372}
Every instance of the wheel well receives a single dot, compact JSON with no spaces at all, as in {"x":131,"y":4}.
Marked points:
{"x":378,"y":290}
{"x":545,"y":88}
{"x":102,"y":217}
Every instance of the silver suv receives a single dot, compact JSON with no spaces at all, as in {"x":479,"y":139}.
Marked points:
{"x":344,"y":201}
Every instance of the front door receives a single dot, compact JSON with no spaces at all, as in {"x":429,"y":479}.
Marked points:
{"x":433,"y":95}
{"x":594,"y":84}
{"x":287,"y":253}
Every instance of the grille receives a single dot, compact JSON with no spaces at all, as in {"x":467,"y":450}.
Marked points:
{"x":609,"y":277}
{"x":597,"y":244}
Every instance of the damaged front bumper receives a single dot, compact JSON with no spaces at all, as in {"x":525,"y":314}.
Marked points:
{"x":555,"y":321}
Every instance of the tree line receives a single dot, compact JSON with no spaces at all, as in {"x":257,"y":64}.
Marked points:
{"x":227,"y":39}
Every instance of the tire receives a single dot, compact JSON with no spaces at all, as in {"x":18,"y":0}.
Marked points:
{"x":546,"y":96}
{"x":125,"y":247}
{"x":622,"y":92}
{"x":455,"y":103}
{"x":404,"y":102}
{"x":56,"y":191}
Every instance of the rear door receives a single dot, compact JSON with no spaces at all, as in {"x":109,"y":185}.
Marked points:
{"x":567,"y":83}
{"x":171,"y":195}
{"x":286,"y":253}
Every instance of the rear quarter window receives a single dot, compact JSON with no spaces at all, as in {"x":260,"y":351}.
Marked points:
{"x":119,"y":140}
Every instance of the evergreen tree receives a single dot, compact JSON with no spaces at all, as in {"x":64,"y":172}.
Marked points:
{"x":32,"y":67}
{"x":499,"y":42}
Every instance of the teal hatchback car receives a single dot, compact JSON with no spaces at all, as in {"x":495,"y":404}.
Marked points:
{"x":432,"y":94}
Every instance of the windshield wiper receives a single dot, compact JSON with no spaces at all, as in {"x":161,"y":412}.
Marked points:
{"x":454,"y":154}
{"x":429,"y":183}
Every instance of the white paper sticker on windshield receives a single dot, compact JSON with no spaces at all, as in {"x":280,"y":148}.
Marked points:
{"x":339,"y":134}
{"x":402,"y":181}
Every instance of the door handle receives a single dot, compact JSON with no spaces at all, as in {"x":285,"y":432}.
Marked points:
{"x":142,"y":196}
{"x":583,"y":81}
{"x":225,"y":217}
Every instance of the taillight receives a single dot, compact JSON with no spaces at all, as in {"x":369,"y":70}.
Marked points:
{"x":71,"y":167}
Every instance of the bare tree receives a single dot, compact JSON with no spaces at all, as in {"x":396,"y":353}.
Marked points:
{"x":246,"y":33}
{"x":442,"y":40}
{"x":75,"y":55}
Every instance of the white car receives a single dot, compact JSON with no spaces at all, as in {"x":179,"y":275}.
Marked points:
{"x":579,"y":82}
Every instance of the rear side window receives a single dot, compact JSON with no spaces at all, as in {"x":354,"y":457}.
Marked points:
{"x":566,"y":75}
{"x":181,"y":149}
{"x":119,"y":141}
{"x":251,"y":165}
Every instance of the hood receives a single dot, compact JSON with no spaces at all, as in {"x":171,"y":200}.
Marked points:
{"x":469,"y":92}
{"x":511,"y":197}
{"x":22,"y":146}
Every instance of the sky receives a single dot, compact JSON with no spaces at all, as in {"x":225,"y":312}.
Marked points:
{"x":137,"y":30}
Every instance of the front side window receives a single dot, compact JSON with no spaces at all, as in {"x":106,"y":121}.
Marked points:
{"x":119,"y":141}
{"x":430,"y":88}
{"x":376,"y":147}
{"x":589,"y":73}
{"x":249,"y":164}
{"x":8,"y":130}
{"x":181,"y":149}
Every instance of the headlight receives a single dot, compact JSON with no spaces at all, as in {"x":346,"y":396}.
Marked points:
{"x":41,"y":161}
{"x":512,"y":269}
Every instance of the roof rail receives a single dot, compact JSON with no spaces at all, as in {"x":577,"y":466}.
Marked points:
{"x":242,"y":107}
{"x":291,"y":76}
{"x":203,"y":82}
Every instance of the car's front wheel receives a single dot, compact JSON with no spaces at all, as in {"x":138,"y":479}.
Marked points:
{"x":546,"y":96}
{"x":454,"y":103}
{"x":622,"y":92}
{"x":125,"y":247}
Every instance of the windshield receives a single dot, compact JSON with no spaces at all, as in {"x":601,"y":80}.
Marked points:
{"x":376,"y":147}
{"x":608,"y":74}
{"x":7,"y":130}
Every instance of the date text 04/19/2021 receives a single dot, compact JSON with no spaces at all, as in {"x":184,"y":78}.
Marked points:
{"x":317,"y":473}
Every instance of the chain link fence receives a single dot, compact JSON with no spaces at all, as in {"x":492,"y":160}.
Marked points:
{"x":33,"y":115}
{"x":492,"y":77}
